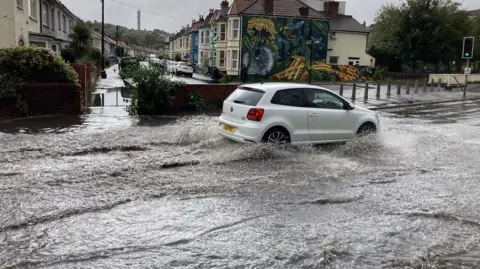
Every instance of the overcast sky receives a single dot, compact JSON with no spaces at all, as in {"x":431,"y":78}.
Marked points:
{"x":170,"y":15}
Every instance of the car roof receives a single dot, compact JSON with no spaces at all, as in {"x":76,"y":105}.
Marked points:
{"x":275,"y":86}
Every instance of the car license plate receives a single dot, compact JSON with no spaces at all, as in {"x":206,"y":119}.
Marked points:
{"x":229,"y":128}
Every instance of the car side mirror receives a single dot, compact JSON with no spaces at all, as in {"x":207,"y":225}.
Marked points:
{"x":348,"y":106}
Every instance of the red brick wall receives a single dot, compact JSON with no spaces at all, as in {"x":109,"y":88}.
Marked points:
{"x":211,"y":93}
{"x":45,"y":99}
{"x":91,"y":75}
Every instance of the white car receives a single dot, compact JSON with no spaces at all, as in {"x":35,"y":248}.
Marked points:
{"x":293,"y":113}
{"x":183,"y":68}
{"x":170,"y":66}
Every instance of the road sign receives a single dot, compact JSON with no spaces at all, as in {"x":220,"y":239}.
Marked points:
{"x":467,"y":70}
{"x":468,"y":45}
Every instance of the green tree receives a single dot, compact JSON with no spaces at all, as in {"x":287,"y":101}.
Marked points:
{"x":120,"y":52}
{"x":428,"y":31}
{"x":81,"y":36}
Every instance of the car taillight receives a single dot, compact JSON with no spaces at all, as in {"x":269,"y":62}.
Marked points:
{"x":255,"y":114}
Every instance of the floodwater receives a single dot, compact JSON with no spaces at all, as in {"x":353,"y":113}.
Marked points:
{"x":126,"y":194}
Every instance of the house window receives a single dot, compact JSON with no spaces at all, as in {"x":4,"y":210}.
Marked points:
{"x":70,"y":26}
{"x":38,"y":44}
{"x":181,"y":41}
{"x":20,"y":3}
{"x":59,"y":21}
{"x":54,"y":48}
{"x":234,"y":59}
{"x":334,"y":59}
{"x":353,"y":61}
{"x":221,"y":58}
{"x":223,"y":28}
{"x":32,"y":9}
{"x":229,"y":64}
{"x":196,"y":41}
{"x":45,"y":14}
{"x":236,"y":27}
{"x":207,"y":37}
{"x":64,"y":23}
{"x":214,"y":58}
{"x":53,"y":20}
{"x":201,"y":37}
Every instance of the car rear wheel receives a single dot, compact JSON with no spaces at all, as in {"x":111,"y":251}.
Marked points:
{"x":276,"y":136}
{"x":366,"y":129}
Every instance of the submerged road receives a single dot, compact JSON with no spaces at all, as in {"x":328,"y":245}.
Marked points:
{"x":142,"y":194}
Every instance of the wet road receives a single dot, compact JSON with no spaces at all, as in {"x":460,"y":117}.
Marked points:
{"x":142,"y":194}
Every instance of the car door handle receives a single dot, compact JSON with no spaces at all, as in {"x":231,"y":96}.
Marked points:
{"x":313,"y":115}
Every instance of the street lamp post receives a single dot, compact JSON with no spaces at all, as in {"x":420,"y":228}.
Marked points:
{"x":310,"y":43}
{"x":103,"y":74}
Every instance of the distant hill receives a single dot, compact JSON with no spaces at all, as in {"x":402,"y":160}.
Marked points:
{"x":154,"y":39}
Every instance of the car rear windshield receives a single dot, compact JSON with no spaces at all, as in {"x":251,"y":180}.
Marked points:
{"x":246,"y":96}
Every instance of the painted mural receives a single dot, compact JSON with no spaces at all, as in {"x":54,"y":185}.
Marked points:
{"x":323,"y":71}
{"x":277,"y":48}
{"x":270,"y":45}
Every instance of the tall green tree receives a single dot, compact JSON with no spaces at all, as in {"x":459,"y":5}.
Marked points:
{"x":427,"y":31}
{"x":81,"y":44}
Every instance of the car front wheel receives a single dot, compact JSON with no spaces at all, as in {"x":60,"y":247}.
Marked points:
{"x":366,"y":129}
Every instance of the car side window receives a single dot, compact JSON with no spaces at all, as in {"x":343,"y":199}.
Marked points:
{"x":323,"y":99}
{"x":290,"y":97}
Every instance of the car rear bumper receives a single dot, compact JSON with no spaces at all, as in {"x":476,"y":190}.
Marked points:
{"x":244,"y":133}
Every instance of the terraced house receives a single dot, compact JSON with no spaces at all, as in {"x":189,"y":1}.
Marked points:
{"x":44,"y":23}
{"x":275,"y":38}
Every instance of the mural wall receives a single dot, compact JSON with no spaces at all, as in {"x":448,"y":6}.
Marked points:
{"x":271,"y":45}
{"x":277,"y":48}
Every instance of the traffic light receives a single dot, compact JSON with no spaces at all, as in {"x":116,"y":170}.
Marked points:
{"x":468,"y":43}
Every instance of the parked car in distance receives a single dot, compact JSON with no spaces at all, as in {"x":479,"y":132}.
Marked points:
{"x":127,"y":62}
{"x":293,"y":113}
{"x":171,"y":66}
{"x":183,"y":68}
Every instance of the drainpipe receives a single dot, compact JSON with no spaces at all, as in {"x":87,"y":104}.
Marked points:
{"x":41,"y":17}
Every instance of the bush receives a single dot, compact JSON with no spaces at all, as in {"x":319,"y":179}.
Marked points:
{"x":379,"y":74}
{"x":32,"y":64}
{"x":8,"y":92}
{"x":67,"y":55}
{"x":151,"y":92}
{"x":127,"y":72}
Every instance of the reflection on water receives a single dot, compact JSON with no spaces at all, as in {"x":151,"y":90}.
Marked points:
{"x":100,"y":119}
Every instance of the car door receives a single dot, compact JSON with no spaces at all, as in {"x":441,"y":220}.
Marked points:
{"x":328,"y":118}
{"x":289,"y":109}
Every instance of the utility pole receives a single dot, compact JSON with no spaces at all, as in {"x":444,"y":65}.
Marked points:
{"x":311,"y":43}
{"x":116,"y":43}
{"x":104,"y":74}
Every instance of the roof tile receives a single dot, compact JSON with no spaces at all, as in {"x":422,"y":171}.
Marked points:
{"x":283,"y":8}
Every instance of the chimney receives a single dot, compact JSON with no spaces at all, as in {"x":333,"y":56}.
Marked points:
{"x":331,"y":8}
{"x":268,"y":6}
{"x":96,"y":30}
{"x":303,"y":11}
{"x":210,"y":11}
{"x":224,"y":4}
{"x":364,"y":24}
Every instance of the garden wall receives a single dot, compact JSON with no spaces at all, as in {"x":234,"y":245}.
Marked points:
{"x":211,"y":93}
{"x":87,"y":74}
{"x":45,"y":99}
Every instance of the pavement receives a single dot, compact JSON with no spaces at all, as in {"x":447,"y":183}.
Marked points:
{"x":139,"y":193}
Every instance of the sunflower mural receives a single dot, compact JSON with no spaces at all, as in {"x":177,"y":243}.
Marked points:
{"x":270,"y":44}
{"x":259,"y":45}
